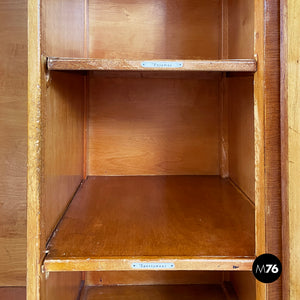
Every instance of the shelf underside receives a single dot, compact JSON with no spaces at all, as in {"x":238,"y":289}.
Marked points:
{"x":187,"y":222}
{"x":163,"y":292}
{"x":93,"y":64}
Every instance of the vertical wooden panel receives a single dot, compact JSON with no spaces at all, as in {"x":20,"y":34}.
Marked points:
{"x":13,"y":136}
{"x":139,"y":29}
{"x":55,"y":126}
{"x":153,"y":126}
{"x":13,"y":293}
{"x":63,"y":28}
{"x":63,"y":117}
{"x":62,"y":286}
{"x":244,"y":285}
{"x":273,"y":205}
{"x":291,"y":146}
{"x":34,"y":165}
{"x":241,"y":133}
{"x":240,"y":28}
{"x":152,"y":277}
{"x":259,"y":133}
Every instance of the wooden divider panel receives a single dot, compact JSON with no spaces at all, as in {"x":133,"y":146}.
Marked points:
{"x":240,"y":28}
{"x":152,"y":29}
{"x":153,"y":126}
{"x":63,"y":28}
{"x":63,"y":146}
{"x":241,"y":133}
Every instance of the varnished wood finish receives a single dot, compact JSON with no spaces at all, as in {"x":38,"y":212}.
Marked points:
{"x":241,"y":28}
{"x":259,"y":136}
{"x":290,"y":108}
{"x":63,"y":28}
{"x":152,"y":277}
{"x":124,"y":263}
{"x":12,"y":293}
{"x":241,"y":133}
{"x":111,"y":219}
{"x":13,"y":130}
{"x":244,"y":285}
{"x":55,"y":63}
{"x":153,"y":126}
{"x":34,"y":164}
{"x":273,"y":207}
{"x":55,"y":132}
{"x":164,"y":292}
{"x":167,"y":29}
{"x":63,"y":117}
{"x":61,"y":286}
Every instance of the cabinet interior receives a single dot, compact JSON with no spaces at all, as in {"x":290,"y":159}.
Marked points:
{"x":149,"y":165}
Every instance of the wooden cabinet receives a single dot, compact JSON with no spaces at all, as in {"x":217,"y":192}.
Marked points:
{"x":153,"y":148}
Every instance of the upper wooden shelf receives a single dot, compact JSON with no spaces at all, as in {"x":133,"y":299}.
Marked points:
{"x":93,"y":64}
{"x":187,"y":222}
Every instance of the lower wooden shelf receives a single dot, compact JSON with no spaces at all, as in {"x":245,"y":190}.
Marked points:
{"x":154,"y":222}
{"x":162,"y":292}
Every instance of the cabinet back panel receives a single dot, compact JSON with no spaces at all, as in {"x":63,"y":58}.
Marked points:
{"x":141,"y":126}
{"x":152,"y":277}
{"x":63,"y":146}
{"x":63,"y":28}
{"x":240,"y":28}
{"x":241,"y":133}
{"x":154,"y":29}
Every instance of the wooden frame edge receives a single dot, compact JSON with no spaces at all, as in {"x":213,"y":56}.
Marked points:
{"x":34,"y":169}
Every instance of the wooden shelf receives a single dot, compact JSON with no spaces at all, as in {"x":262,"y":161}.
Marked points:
{"x":187,"y":222}
{"x":92,"y":64}
{"x":132,"y":292}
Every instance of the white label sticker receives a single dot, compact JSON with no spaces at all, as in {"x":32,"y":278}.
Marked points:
{"x":152,"y":266}
{"x":162,"y":64}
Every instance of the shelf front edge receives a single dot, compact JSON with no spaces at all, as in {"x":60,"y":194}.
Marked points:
{"x":125,"y":264}
{"x":92,"y":64}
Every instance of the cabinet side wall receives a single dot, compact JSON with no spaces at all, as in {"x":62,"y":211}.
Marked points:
{"x":241,"y":133}
{"x":62,"y":34}
{"x":13,"y":135}
{"x":291,"y":146}
{"x":63,"y":117}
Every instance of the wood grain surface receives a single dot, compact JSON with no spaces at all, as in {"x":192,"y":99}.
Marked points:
{"x":241,"y":28}
{"x":290,"y":105}
{"x":164,"y":292}
{"x":12,"y":293}
{"x":244,"y":285}
{"x":63,"y":28}
{"x":152,"y":277}
{"x":273,"y":205}
{"x":241,"y":134}
{"x":63,"y":117}
{"x":153,"y":217}
{"x":13,"y":149}
{"x":153,"y":126}
{"x":222,"y":65}
{"x":168,"y":29}
{"x":61,"y":286}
